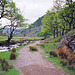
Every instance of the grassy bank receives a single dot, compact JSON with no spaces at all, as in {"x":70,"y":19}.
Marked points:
{"x":3,"y":38}
{"x":11,"y":72}
{"x":49,"y":46}
{"x":6,"y":56}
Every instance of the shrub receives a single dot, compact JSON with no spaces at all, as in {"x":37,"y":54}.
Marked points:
{"x":5,"y":65}
{"x":71,"y":59}
{"x":38,"y":44}
{"x":12,"y":56}
{"x":3,"y":61}
{"x":67,"y":57}
{"x":46,"y":42}
{"x":42,"y":45}
{"x":54,"y":53}
{"x":10,"y":67}
{"x":0,"y":59}
{"x":13,"y":50}
{"x":54,"y":44}
{"x":51,"y":53}
{"x":71,"y":67}
{"x":64,"y":52}
{"x":64,"y":62}
{"x":32,"y":48}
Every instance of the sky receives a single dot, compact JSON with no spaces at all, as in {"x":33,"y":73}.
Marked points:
{"x":32,"y":9}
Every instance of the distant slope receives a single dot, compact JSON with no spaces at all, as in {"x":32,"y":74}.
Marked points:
{"x":38,"y":22}
{"x":32,"y":31}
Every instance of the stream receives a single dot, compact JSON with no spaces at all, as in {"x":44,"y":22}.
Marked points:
{"x":7,"y":48}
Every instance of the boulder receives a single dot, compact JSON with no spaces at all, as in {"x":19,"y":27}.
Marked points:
{"x":68,"y":40}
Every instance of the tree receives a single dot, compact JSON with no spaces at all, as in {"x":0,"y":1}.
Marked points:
{"x":44,"y":34}
{"x":48,"y":23}
{"x":17,"y":20}
{"x":3,"y":6}
{"x":68,"y":13}
{"x":60,"y":20}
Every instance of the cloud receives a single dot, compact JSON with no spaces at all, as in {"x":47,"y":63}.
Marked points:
{"x":33,"y":9}
{"x":5,"y":21}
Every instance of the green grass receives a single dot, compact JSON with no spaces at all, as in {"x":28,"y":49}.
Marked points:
{"x":6,"y":55}
{"x":3,"y":38}
{"x":11,"y":72}
{"x":50,"y":45}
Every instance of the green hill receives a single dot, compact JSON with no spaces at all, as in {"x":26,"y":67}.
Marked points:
{"x":38,"y":22}
{"x":32,"y":31}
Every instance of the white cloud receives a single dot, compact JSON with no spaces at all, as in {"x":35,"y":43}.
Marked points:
{"x":5,"y":21}
{"x":33,"y":9}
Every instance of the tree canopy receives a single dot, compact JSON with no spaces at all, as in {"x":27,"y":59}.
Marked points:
{"x":11,"y":12}
{"x":61,"y":19}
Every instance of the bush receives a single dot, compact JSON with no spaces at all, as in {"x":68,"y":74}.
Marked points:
{"x":32,"y":48}
{"x":10,"y":67}
{"x":38,"y":44}
{"x":71,"y":67}
{"x":12,"y":56}
{"x":5,"y":65}
{"x":67,"y":57}
{"x":54,"y":53}
{"x":54,"y":44}
{"x":71,"y":59}
{"x":64,"y":62}
{"x":0,"y":59}
{"x":42,"y":45}
{"x":64,"y":52}
{"x":13,"y":50}
{"x":3,"y":61}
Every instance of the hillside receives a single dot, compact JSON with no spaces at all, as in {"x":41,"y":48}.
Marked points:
{"x":38,"y":22}
{"x":32,"y":31}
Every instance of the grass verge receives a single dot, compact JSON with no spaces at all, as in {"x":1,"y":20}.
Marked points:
{"x":6,"y":55}
{"x":50,"y":45}
{"x":3,"y":38}
{"x":11,"y":72}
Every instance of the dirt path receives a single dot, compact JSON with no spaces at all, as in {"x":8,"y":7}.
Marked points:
{"x":33,"y":64}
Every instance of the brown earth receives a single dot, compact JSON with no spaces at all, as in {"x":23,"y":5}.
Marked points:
{"x":32,"y":63}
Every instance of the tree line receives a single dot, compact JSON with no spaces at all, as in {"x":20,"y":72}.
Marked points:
{"x":61,"y":19}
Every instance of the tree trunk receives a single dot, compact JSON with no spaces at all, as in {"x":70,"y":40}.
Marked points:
{"x":66,"y":31}
{"x":57,"y":33}
{"x":9,"y":38}
{"x":70,"y":26}
{"x":73,"y":26}
{"x":45,"y":35}
{"x":54,"y":33}
{"x":62,"y":31}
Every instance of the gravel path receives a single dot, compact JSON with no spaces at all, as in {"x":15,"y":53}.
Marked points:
{"x":33,"y":64}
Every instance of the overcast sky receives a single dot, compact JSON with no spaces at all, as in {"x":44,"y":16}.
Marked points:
{"x":33,"y":9}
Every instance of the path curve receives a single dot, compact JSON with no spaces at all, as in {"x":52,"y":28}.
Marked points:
{"x":33,"y":64}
